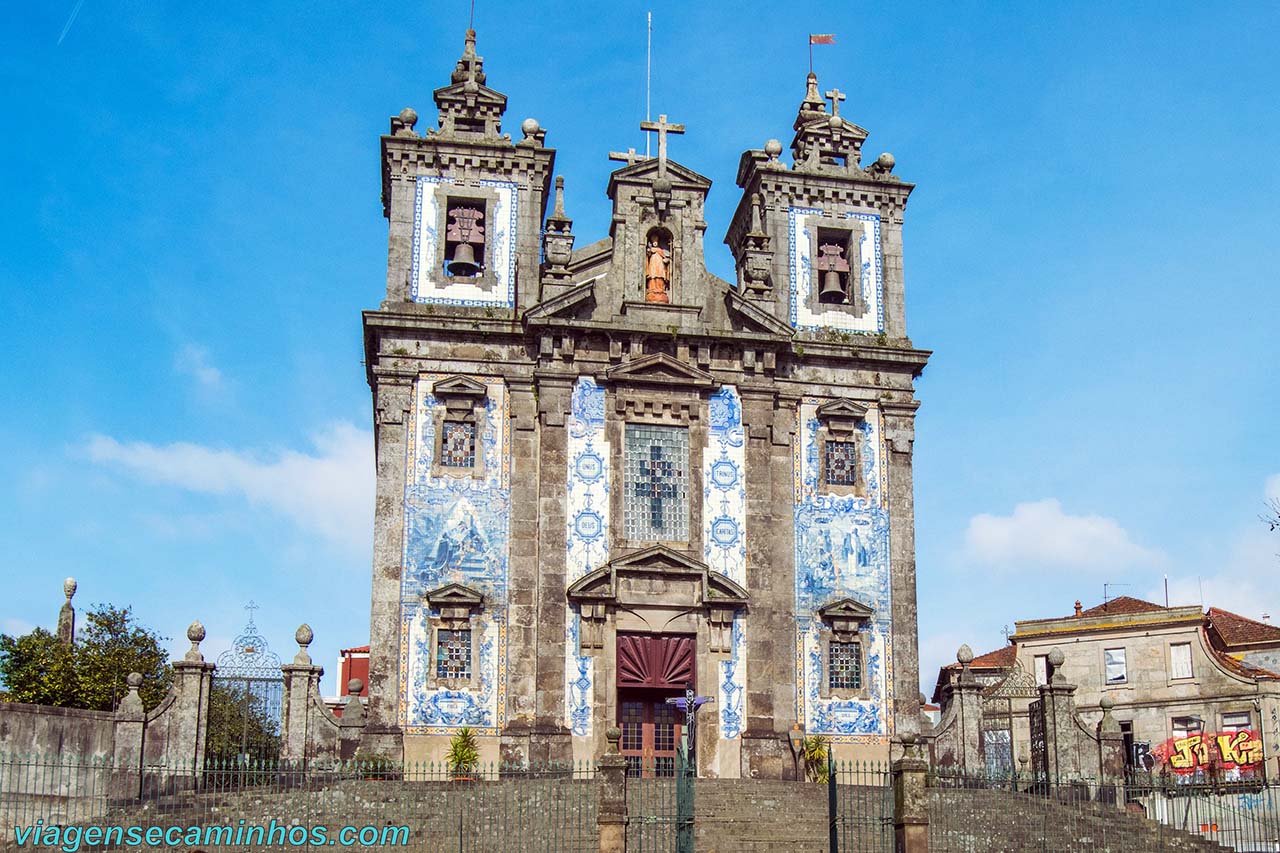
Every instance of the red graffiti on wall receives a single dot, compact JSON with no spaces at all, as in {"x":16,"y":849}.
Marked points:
{"x":1228,"y":750}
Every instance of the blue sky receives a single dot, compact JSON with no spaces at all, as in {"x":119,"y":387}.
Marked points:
{"x":192,"y":226}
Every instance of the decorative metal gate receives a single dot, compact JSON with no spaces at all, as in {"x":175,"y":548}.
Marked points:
{"x":1039,"y":748}
{"x":246,"y":705}
{"x":997,"y":719}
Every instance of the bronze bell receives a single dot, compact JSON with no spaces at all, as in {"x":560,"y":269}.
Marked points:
{"x":463,"y":262}
{"x":832,"y":291}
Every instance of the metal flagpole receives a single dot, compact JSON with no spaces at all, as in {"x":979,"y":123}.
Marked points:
{"x":648,"y":79}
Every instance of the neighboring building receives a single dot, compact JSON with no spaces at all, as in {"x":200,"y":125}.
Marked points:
{"x":1190,"y":694}
{"x":605,"y":474}
{"x":352,"y":663}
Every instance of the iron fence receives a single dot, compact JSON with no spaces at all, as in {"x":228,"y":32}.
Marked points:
{"x":491,"y":807}
{"x":860,"y":807}
{"x":660,"y":802}
{"x":1237,"y":814}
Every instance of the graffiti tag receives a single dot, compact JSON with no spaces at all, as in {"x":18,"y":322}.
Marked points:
{"x":1227,"y":750}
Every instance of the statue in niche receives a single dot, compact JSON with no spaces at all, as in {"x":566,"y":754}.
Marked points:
{"x":657,"y":271}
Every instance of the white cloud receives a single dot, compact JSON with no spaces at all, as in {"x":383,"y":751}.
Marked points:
{"x":1272,"y":488}
{"x":328,"y":491}
{"x":1040,"y":534}
{"x":193,"y":360}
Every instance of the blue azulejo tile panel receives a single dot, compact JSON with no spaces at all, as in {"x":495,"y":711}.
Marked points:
{"x":842,"y":550}
{"x":457,"y":530}
{"x":586,"y":534}
{"x":428,"y":282}
{"x":733,"y":683}
{"x":865,"y":272}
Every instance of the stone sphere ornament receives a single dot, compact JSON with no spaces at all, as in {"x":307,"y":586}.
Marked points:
{"x":964,"y":655}
{"x":886,"y":161}
{"x":835,"y":122}
{"x":1056,"y":657}
{"x":354,"y":686}
{"x":1107,"y":704}
{"x":409,"y":116}
{"x":529,"y":127}
{"x":134,"y":680}
{"x":304,"y":635}
{"x":69,"y":587}
{"x":773,"y":148}
{"x":195,"y":632}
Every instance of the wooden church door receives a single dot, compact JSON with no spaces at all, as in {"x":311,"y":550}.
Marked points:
{"x":651,"y":669}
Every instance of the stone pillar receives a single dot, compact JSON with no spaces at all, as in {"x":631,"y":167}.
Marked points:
{"x":1057,"y":698}
{"x":910,"y":799}
{"x":966,"y":695}
{"x":351,"y":723}
{"x":299,"y":677}
{"x":611,"y":777}
{"x":67,"y":615}
{"x":899,"y":425}
{"x":130,"y":724}
{"x":1110,"y":754}
{"x":193,"y":679}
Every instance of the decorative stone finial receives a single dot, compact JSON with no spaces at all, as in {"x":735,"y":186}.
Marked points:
{"x":908,"y":739}
{"x":529,"y":127}
{"x":613,"y":735}
{"x":886,"y":161}
{"x":69,"y":588}
{"x":354,"y":686}
{"x":67,"y":614}
{"x":773,"y":149}
{"x":134,"y":680}
{"x":964,"y":656}
{"x":1107,"y":704}
{"x":304,"y":635}
{"x":409,"y":116}
{"x":558,"y":212}
{"x":196,"y":634}
{"x":1056,"y":657}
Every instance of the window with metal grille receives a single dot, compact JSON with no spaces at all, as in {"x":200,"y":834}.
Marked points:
{"x":656,"y":480}
{"x":453,"y":654}
{"x":458,"y":444}
{"x":842,"y":463}
{"x":844,"y":666}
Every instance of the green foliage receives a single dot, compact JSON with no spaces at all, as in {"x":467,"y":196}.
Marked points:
{"x":464,"y":752}
{"x":240,"y":724}
{"x":36,"y":668}
{"x":814,"y":751}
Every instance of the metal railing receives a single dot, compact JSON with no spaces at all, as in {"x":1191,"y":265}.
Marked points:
{"x":860,"y":806}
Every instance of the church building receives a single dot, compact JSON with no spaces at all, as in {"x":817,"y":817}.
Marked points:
{"x":606,"y":476}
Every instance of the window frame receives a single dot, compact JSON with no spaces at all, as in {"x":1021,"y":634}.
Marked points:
{"x":1124,"y":664}
{"x":859,"y":659}
{"x":459,"y":403}
{"x":1036,"y":665}
{"x":685,"y":510}
{"x":1191,"y":669}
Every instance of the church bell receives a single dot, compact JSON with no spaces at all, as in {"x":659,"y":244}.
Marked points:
{"x":832,"y":290}
{"x":463,"y":262}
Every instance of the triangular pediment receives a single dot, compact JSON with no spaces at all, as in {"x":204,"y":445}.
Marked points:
{"x":454,"y":595}
{"x":596,"y":584}
{"x":609,"y":584}
{"x":843,"y":408}
{"x":722,"y":590}
{"x":659,"y":369}
{"x":561,"y":303}
{"x":658,"y":558}
{"x":458,"y":92}
{"x":459,"y":386}
{"x":644,"y":170}
{"x":754,"y":315}
{"x":846,"y":608}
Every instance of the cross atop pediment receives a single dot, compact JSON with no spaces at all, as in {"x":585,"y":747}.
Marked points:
{"x":630,"y":157}
{"x":662,"y":127}
{"x":835,"y":96}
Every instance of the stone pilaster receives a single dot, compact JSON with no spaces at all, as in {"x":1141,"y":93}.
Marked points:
{"x":899,"y":439}
{"x":523,"y":575}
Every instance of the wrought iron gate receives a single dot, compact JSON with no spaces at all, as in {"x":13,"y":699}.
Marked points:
{"x":246,"y":706}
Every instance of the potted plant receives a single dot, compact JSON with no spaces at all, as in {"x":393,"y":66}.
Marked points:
{"x":464,"y":755}
{"x":813,"y":750}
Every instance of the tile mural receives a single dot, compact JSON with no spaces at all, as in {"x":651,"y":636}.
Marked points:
{"x":800,"y":221}
{"x":724,"y":522}
{"x":428,"y":283}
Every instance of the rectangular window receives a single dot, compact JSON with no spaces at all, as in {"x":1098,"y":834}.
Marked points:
{"x":1237,"y":721}
{"x":1180,"y":660}
{"x":1042,"y":669}
{"x":842,"y":463}
{"x":453,"y":654}
{"x":458,"y":444}
{"x":1187,"y":726}
{"x":656,"y":483}
{"x":1116,"y":673}
{"x":844,"y":666}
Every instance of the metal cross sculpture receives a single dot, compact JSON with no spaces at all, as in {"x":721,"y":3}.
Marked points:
{"x":690,"y":702}
{"x":662,"y":128}
{"x":655,"y":484}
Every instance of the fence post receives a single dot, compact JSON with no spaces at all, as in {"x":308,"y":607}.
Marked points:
{"x":131,"y":720}
{"x":1111,"y":754}
{"x":1061,"y":752}
{"x":611,"y":816}
{"x":833,"y":806}
{"x":910,"y":799}
{"x":299,"y":677}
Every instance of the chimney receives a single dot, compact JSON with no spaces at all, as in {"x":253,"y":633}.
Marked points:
{"x":1078,"y":608}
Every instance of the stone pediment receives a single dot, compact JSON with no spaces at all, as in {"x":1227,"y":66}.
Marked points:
{"x":458,"y":92}
{"x":608,"y":583}
{"x":846,"y":608}
{"x":754,"y":315}
{"x":454,"y":595}
{"x":562,"y":303}
{"x":659,"y":369}
{"x":646,"y":170}
{"x":459,"y":386}
{"x":843,"y":408}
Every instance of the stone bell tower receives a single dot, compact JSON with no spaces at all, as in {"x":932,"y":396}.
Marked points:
{"x":606,"y":476}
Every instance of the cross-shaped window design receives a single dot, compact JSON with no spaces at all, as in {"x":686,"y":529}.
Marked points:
{"x":656,"y":503}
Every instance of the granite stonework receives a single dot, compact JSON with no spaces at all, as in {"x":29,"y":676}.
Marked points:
{"x":619,"y":389}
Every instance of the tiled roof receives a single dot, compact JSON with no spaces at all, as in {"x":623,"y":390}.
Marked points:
{"x":356,"y":649}
{"x":1239,"y":667}
{"x":1119,"y":605}
{"x":999,"y":659}
{"x":1236,"y":630}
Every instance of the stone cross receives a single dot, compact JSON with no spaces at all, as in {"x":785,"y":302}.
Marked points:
{"x":662,"y":128}
{"x":836,"y":96}
{"x":630,"y":157}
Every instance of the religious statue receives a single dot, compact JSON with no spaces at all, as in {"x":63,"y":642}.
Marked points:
{"x":657,"y":273}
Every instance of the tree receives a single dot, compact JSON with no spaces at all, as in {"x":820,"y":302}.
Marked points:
{"x":240,"y":723}
{"x":38,"y":669}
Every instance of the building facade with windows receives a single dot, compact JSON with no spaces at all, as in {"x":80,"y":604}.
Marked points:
{"x":606,"y":475}
{"x":1188,"y":687}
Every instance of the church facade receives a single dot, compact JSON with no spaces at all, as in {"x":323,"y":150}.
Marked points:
{"x":606,"y":476}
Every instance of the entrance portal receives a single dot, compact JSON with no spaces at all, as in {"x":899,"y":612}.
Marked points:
{"x":652,"y":668}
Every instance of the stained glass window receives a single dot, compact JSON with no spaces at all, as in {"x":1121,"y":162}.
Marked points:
{"x":458,"y":444}
{"x":656,"y":469}
{"x":844,"y":666}
{"x":842,"y":463}
{"x":453,"y":654}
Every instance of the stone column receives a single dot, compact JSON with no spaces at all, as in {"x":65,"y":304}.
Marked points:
{"x":67,"y":615}
{"x":130,"y":725}
{"x":910,"y":799}
{"x":611,"y":777}
{"x":351,"y":723}
{"x":966,"y":695}
{"x":1110,"y":754}
{"x":1062,"y":754}
{"x":900,"y":437}
{"x":192,"y":679}
{"x":299,"y":677}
